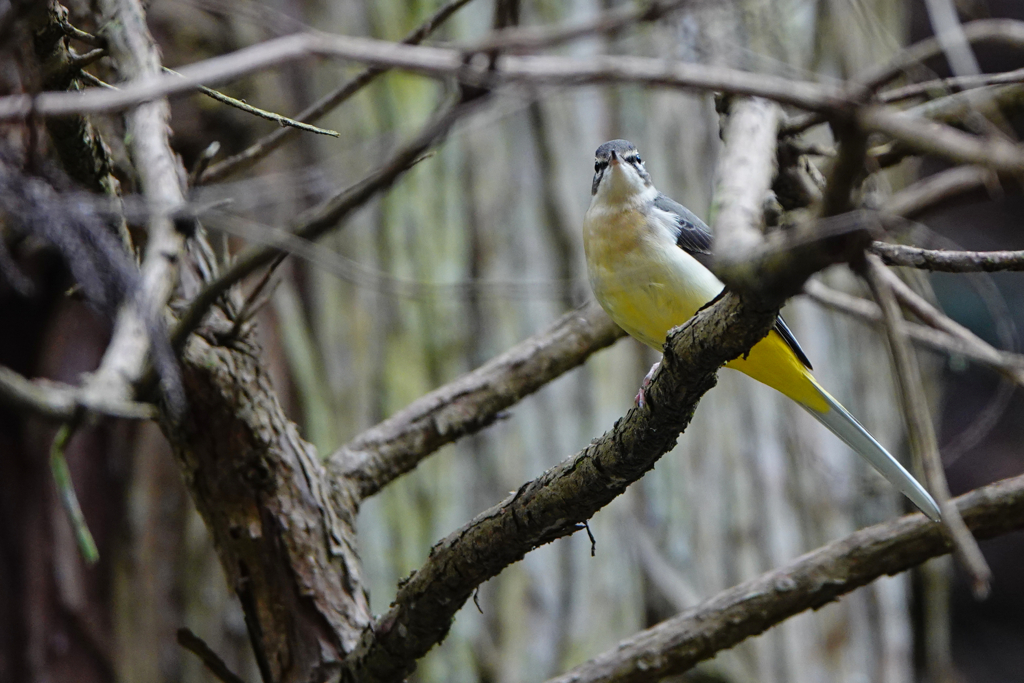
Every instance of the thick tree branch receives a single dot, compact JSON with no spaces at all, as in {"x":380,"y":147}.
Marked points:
{"x":536,"y":70}
{"x":283,"y":531}
{"x":809,"y":582}
{"x":472,"y":402}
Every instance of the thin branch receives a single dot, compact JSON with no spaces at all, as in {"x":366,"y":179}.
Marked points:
{"x":82,"y":36}
{"x":93,"y":80}
{"x":946,"y":261}
{"x":136,"y":55}
{"x":68,"y":499}
{"x":62,"y":402}
{"x":676,"y":645}
{"x":920,"y":430}
{"x":315,"y":222}
{"x":78,"y":62}
{"x":256,"y":111}
{"x":267,"y":144}
{"x":1006,"y":32}
{"x":988,"y":101}
{"x":197,"y":646}
{"x":439,"y":63}
{"x":1010,"y":365}
{"x":938,"y":320}
{"x":924,"y":310}
{"x":941,"y":140}
{"x":948,"y":85}
{"x":472,"y":402}
{"x":926,"y":193}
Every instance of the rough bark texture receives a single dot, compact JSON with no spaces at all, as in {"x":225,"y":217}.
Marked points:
{"x":283,"y":533}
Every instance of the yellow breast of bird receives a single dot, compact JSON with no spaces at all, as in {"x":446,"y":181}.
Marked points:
{"x":646,"y":283}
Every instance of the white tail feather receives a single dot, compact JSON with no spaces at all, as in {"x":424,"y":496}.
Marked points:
{"x":846,"y":427}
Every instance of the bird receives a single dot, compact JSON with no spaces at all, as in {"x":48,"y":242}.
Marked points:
{"x":648,"y":261}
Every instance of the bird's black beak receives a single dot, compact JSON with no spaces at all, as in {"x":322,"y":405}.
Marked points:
{"x":614,"y":158}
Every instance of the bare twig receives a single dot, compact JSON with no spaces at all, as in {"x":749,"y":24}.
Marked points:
{"x":1010,"y":365}
{"x":935,"y":189}
{"x":947,"y":261}
{"x":93,"y":80}
{"x":948,"y":85}
{"x":83,"y":36}
{"x":57,"y":401}
{"x":945,"y":141}
{"x":197,"y":646}
{"x":78,"y":62}
{"x":920,"y":430}
{"x":956,"y":108}
{"x":256,"y":111}
{"x":441,"y":62}
{"x":472,"y":402}
{"x":267,"y":144}
{"x":990,"y":31}
{"x":924,"y":310}
{"x":68,"y":499}
{"x":809,"y":582}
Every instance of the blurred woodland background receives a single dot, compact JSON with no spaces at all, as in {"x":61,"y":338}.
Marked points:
{"x":474,"y":249}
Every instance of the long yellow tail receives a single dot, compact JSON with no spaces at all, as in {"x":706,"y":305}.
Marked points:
{"x":772,"y":362}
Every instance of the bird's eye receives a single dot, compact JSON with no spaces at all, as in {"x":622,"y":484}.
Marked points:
{"x":638,"y":159}
{"x":597,"y":166}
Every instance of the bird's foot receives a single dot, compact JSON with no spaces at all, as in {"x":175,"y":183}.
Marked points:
{"x":641,"y":396}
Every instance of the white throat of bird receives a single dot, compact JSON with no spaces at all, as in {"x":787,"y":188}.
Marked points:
{"x":621,"y":186}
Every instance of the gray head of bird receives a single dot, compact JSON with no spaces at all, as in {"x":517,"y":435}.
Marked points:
{"x":619,"y":173}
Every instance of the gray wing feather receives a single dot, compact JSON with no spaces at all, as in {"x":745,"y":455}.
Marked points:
{"x":695,"y":239}
{"x":694,"y":236}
